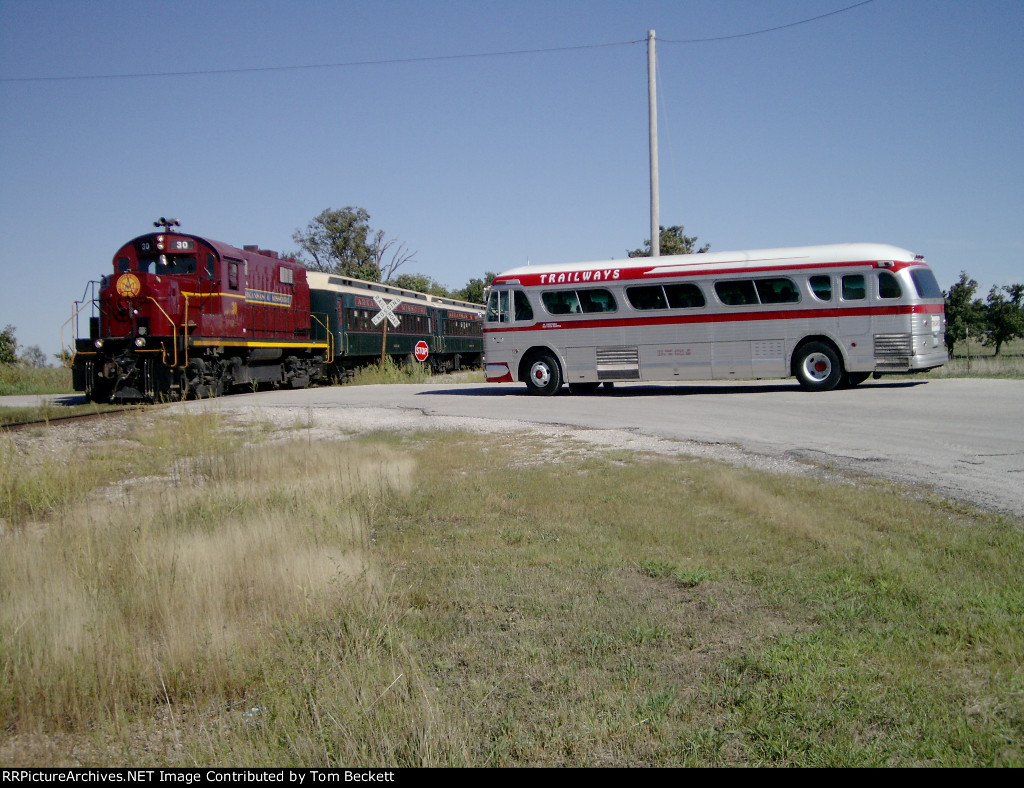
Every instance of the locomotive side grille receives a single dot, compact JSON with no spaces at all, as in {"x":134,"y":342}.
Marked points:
{"x":893,"y":351}
{"x":618,"y":363}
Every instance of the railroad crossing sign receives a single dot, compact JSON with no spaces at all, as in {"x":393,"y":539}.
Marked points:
{"x":387,"y":310}
{"x":422,"y":351}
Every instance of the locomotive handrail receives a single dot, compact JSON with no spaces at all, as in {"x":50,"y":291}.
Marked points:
{"x":326,"y":323}
{"x":72,"y":319}
{"x":174,"y":330}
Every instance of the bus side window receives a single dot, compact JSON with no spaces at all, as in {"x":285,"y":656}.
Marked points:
{"x":736,"y":292}
{"x":821,"y":286}
{"x":561,"y":302}
{"x":684,"y":296}
{"x":777,"y":291}
{"x":596,"y":301}
{"x":646,"y":297}
{"x":853,"y":287}
{"x":888,"y":285}
{"x":523,"y":309}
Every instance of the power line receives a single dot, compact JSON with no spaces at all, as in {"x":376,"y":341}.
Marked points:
{"x":427,"y":59}
{"x":349,"y":64}
{"x":766,"y":30}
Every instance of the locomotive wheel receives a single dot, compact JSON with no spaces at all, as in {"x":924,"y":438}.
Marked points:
{"x":818,"y":367}
{"x":544,"y":376}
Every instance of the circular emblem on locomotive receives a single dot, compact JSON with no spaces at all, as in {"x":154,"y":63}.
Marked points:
{"x":128,"y":285}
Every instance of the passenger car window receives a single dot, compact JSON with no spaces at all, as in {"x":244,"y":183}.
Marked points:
{"x":853,"y":287}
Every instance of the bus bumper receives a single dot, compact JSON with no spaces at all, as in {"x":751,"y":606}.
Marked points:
{"x":498,"y":373}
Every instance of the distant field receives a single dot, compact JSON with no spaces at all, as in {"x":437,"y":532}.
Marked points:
{"x":182,"y":590}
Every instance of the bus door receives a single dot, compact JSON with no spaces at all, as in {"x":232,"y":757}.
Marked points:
{"x":854,"y":317}
{"x":503,"y":308}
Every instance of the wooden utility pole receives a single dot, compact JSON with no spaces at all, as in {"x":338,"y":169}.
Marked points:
{"x":652,"y":103}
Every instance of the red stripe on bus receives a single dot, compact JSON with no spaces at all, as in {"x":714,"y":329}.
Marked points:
{"x":555,"y":324}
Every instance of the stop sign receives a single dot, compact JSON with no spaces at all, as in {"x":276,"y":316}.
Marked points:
{"x":422,"y":351}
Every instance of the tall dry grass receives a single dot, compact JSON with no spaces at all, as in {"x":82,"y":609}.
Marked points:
{"x":186,"y":586}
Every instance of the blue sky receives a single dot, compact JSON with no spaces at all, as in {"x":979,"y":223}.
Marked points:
{"x":897,"y":121}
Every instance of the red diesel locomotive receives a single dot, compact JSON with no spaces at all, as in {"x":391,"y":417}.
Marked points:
{"x":186,"y":316}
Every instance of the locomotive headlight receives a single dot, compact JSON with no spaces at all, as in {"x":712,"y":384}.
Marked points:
{"x":99,"y":344}
{"x":140,"y":342}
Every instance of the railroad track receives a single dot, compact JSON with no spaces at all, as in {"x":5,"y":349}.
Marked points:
{"x":70,"y":418}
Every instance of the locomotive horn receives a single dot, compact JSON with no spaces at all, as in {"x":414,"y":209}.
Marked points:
{"x":167,"y":224}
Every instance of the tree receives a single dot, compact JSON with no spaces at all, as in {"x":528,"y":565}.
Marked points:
{"x":1004,"y":317}
{"x":474,"y":289}
{"x":964,"y":313}
{"x":396,"y":256}
{"x":8,"y":346}
{"x":33,"y":356}
{"x":671,"y":240}
{"x":342,"y":242}
{"x":421,"y":283}
{"x":339,"y":242}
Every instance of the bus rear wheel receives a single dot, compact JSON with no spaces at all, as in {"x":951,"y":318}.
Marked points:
{"x":818,"y":367}
{"x":543,"y":375}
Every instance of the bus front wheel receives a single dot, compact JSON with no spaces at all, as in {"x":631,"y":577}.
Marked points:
{"x":543,"y":375}
{"x":818,"y":367}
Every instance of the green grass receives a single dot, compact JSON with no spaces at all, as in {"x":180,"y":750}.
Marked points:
{"x":389,"y":371}
{"x":16,"y":379}
{"x":192,"y":591}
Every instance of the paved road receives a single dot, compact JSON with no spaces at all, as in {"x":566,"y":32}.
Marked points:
{"x":965,"y":438}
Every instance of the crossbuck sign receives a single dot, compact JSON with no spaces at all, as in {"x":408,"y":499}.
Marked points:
{"x":386,"y":311}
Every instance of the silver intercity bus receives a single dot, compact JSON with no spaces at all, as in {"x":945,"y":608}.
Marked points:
{"x":829,"y":315}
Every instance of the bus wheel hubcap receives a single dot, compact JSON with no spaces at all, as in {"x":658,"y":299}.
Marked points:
{"x":818,"y":366}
